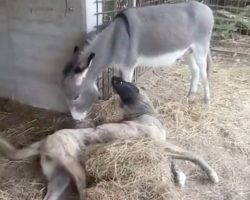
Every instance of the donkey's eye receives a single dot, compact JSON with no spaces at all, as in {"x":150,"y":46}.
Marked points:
{"x":76,"y":97}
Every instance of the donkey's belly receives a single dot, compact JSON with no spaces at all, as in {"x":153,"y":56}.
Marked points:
{"x":163,"y":60}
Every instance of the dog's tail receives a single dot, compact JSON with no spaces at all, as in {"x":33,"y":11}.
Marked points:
{"x":8,"y":151}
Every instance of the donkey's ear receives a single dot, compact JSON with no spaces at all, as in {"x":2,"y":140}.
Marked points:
{"x":81,"y":72}
{"x":76,"y":50}
{"x":90,"y":59}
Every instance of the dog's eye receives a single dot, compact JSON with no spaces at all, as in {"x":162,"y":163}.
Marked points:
{"x":118,"y":82}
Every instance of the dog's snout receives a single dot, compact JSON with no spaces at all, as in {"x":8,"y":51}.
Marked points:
{"x":116,"y":80}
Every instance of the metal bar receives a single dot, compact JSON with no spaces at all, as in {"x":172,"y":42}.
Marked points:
{"x":108,"y":12}
{"x":230,"y":51}
{"x":227,"y":7}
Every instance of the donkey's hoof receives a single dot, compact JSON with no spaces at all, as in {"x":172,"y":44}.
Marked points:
{"x":191,"y":98}
{"x":207,"y":101}
{"x":190,"y":94}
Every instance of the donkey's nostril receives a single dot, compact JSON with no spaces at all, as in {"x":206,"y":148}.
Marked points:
{"x":76,"y":97}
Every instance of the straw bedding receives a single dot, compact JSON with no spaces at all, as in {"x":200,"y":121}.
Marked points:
{"x":220,"y":133}
{"x":130,"y":170}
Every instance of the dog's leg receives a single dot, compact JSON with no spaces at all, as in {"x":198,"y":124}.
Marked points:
{"x":57,"y":184}
{"x":10,"y":152}
{"x":77,"y":171}
{"x":182,"y":154}
{"x":179,"y":176}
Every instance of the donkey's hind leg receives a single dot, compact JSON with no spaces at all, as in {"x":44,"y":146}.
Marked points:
{"x":57,"y":184}
{"x":195,"y":72}
{"x":201,"y":55}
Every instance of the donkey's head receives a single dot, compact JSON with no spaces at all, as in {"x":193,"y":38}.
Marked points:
{"x":133,"y":98}
{"x":80,"y":90}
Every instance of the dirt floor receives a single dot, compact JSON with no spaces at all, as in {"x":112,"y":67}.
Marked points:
{"x":219,"y":132}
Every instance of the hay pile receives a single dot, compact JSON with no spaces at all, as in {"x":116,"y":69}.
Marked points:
{"x":127,"y":170}
{"x":122,"y":170}
{"x":130,"y":170}
{"x":220,"y":132}
{"x":107,"y":111}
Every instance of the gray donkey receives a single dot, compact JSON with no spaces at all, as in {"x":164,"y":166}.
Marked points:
{"x":151,"y":36}
{"x":62,"y":151}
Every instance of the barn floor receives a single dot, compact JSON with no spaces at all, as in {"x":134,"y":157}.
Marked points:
{"x":220,"y":132}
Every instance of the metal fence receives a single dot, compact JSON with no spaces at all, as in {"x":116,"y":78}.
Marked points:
{"x":232,"y":23}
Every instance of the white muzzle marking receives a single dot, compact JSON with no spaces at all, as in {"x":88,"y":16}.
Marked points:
{"x":78,"y":115}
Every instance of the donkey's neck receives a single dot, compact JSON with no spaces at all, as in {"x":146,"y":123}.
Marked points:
{"x":103,"y":46}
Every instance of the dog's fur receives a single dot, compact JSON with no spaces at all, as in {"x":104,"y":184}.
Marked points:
{"x":60,"y":152}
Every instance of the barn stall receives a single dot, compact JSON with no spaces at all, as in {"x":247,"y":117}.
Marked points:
{"x":37,"y":38}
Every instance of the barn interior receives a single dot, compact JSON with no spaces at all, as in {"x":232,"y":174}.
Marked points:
{"x":37,"y":38}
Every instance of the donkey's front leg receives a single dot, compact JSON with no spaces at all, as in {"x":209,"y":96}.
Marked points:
{"x":127,"y":73}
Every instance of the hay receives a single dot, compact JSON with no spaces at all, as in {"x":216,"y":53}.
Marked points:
{"x":220,"y":133}
{"x":107,"y":111}
{"x":131,"y":170}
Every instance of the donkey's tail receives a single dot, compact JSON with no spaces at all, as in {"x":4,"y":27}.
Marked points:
{"x":7,"y":150}
{"x":209,"y":63}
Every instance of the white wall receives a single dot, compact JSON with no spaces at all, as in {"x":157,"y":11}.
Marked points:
{"x":36,"y":39}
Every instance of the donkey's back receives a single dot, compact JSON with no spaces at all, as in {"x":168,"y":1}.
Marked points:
{"x":166,"y":28}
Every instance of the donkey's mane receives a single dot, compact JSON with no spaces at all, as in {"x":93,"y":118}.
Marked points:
{"x":90,"y":38}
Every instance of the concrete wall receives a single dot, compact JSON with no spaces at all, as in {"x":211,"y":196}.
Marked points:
{"x":36,"y":39}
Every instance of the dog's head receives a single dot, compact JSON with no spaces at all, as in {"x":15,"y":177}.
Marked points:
{"x":127,"y":91}
{"x":133,"y":98}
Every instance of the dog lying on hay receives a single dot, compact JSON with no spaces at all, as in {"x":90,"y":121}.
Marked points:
{"x":131,"y":170}
{"x":60,"y":152}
